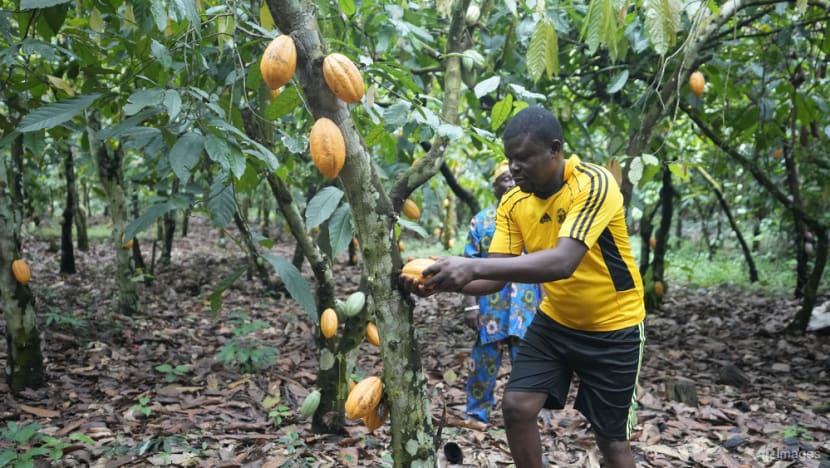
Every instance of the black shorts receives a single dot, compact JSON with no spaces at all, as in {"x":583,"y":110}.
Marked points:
{"x":607,"y":363}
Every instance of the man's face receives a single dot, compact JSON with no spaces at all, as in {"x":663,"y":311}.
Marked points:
{"x":533,"y":165}
{"x":502,"y":184}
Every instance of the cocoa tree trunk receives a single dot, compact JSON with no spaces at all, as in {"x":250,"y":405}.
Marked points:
{"x":67,"y":220}
{"x":750,"y":262}
{"x":108,"y":162}
{"x":374,"y":218}
{"x":24,"y":360}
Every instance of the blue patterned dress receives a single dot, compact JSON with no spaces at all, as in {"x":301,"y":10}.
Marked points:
{"x":505,"y":317}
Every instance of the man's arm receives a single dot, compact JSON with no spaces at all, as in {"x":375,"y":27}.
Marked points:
{"x":488,"y":275}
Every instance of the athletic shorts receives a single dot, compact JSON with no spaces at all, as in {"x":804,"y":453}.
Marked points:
{"x":607,"y":363}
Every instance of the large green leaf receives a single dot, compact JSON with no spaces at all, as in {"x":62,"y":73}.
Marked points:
{"x":284,"y":104}
{"x":662,"y":23}
{"x":543,"y":51}
{"x":295,"y":283}
{"x":322,"y":206}
{"x":501,"y":112}
{"x":185,"y":154}
{"x":226,"y":154}
{"x":148,"y":218}
{"x":340,"y":230}
{"x":56,"y":113}
{"x":33,"y":4}
{"x":221,"y":203}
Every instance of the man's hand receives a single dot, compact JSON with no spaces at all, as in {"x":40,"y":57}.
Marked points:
{"x":413,"y":286}
{"x":449,"y":274}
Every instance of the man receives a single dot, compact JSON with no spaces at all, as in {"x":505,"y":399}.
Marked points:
{"x":500,"y":319}
{"x":569,"y":217}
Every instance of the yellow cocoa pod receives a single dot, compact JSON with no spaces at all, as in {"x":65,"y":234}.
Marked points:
{"x":21,"y":271}
{"x":659,"y":289}
{"x":328,"y":322}
{"x":328,"y":149}
{"x":375,"y":418}
{"x":413,"y":268}
{"x":364,"y":397}
{"x":278,"y":61}
{"x":343,"y":77}
{"x":372,"y":334}
{"x":697,"y":83}
{"x":410,"y":209}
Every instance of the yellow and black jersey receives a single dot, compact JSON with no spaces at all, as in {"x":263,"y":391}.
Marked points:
{"x":605,"y":292}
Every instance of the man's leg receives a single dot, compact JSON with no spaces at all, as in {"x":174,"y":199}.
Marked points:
{"x":616,"y":453}
{"x":521,"y":412}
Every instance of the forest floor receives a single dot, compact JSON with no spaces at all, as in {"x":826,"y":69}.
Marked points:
{"x":106,"y":398}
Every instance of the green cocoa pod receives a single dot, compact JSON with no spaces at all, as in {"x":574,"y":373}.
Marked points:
{"x":310,"y":404}
{"x":354,"y":304}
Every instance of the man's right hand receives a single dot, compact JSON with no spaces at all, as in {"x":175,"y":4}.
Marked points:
{"x":411,"y":285}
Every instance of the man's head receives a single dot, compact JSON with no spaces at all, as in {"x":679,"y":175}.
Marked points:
{"x":533,"y":146}
{"x":502,"y":180}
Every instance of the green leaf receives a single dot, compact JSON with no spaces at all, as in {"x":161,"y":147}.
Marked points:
{"x":185,"y":154}
{"x":412,"y":226}
{"x":226,"y":154}
{"x":159,"y":11}
{"x":340,"y":230}
{"x":295,"y":283}
{"x":501,"y":112}
{"x":33,"y":4}
{"x":55,"y":113}
{"x":161,"y":54}
{"x":487,"y":86}
{"x":322,"y":206}
{"x":216,"y":296}
{"x":326,"y":359}
{"x":222,"y":203}
{"x":173,"y":103}
{"x":662,"y":23}
{"x":143,"y":98}
{"x":618,"y":81}
{"x":511,"y":6}
{"x":536,"y":52}
{"x":397,"y":114}
{"x":347,"y":7}
{"x":543,"y":51}
{"x":678,"y":170}
{"x":148,"y":218}
{"x":284,"y":104}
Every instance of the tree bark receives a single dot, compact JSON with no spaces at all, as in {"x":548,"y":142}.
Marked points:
{"x":69,"y":210}
{"x":24,"y":360}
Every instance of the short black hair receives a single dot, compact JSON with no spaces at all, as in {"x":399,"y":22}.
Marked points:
{"x":537,"y":123}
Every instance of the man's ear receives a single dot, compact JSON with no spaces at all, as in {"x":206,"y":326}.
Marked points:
{"x":556,"y":146}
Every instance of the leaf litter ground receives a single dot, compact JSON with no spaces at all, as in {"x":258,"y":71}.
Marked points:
{"x":103,"y":381}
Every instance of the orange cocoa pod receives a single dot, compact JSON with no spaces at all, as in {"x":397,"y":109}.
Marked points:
{"x":278,"y":61}
{"x":415,"y":267}
{"x":328,"y":322}
{"x":328,"y":149}
{"x":21,"y":272}
{"x":343,"y":77}
{"x":697,"y":83}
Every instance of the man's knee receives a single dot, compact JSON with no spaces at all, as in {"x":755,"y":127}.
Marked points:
{"x":521,"y":406}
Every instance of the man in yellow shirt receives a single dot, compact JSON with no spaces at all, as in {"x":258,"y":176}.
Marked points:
{"x":568,"y":216}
